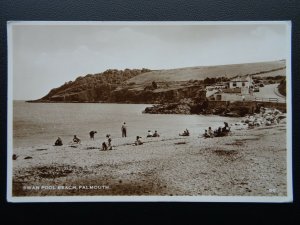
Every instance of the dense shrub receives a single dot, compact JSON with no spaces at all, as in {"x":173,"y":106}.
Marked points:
{"x":282,"y":87}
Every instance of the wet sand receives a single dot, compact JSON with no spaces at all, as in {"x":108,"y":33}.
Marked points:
{"x":245,"y":163}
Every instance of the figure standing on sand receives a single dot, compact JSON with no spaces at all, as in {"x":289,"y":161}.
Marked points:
{"x":124,"y":130}
{"x":109,"y":142}
{"x":92,"y":134}
{"x":58,"y":142}
{"x":76,"y":139}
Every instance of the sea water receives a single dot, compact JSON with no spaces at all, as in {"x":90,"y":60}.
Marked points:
{"x":41,"y":123}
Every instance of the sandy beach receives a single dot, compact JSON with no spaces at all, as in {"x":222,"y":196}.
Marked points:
{"x":248,"y":162}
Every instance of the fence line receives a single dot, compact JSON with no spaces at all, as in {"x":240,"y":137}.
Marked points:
{"x":268,"y":100}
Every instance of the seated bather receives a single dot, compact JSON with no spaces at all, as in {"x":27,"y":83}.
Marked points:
{"x":138,"y":141}
{"x":76,"y":139}
{"x":206,"y":135}
{"x":150,"y":134}
{"x":58,"y":142}
{"x":185,"y":133}
{"x":155,"y":134}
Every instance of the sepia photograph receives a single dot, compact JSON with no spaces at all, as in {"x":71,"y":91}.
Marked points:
{"x":149,"y":111}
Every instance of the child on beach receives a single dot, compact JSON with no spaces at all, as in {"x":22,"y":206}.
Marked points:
{"x":76,"y":139}
{"x":109,"y":141}
{"x":104,"y":146}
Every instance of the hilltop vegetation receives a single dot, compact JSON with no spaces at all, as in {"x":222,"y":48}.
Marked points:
{"x":282,"y":87}
{"x":92,"y":87}
{"x":200,"y":73}
{"x":156,"y":86}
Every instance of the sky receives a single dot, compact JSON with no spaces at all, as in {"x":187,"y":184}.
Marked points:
{"x":47,"y":56}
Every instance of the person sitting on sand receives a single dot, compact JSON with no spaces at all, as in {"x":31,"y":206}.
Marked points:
{"x":92,"y":134}
{"x":218,"y":132}
{"x":155,"y":134}
{"x":76,"y":139}
{"x":149,"y":134}
{"x":104,"y":146}
{"x":205,"y":135}
{"x":226,"y":128}
{"x":138,"y":141}
{"x":185,"y":133}
{"x":15,"y":157}
{"x":58,"y":142}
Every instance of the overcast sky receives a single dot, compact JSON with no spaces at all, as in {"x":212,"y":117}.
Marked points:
{"x":45,"y":57}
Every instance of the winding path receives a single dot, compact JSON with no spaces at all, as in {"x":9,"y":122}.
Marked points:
{"x":270,"y":91}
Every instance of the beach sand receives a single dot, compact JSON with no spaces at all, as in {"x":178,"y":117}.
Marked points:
{"x":245,"y":163}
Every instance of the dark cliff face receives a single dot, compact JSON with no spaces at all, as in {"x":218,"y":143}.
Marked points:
{"x":91,"y":88}
{"x":111,"y":86}
{"x":125,"y":95}
{"x":157,"y":97}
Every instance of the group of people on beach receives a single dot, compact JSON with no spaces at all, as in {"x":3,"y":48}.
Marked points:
{"x":107,"y":146}
{"x":59,"y":142}
{"x":150,"y":134}
{"x":76,"y":140}
{"x":221,"y":131}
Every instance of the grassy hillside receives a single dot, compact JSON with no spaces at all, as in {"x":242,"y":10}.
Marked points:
{"x":145,"y":86}
{"x":200,"y":73}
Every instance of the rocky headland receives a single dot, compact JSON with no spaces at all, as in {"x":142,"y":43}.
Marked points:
{"x":173,"y":91}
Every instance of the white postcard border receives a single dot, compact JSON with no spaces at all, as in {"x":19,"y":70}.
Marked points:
{"x":261,"y":199}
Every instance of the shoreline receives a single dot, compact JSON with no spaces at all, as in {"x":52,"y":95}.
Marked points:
{"x":220,"y":166}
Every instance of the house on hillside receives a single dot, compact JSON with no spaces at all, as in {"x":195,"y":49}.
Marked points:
{"x":239,"y":89}
{"x":245,"y":84}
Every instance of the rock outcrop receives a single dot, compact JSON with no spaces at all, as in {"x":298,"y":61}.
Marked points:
{"x":112,"y":86}
{"x":92,"y":87}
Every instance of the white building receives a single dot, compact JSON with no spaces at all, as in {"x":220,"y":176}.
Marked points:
{"x":244,"y":83}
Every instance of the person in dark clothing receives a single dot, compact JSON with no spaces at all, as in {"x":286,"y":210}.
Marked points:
{"x":210,"y":132}
{"x":226,"y":128}
{"x":104,"y":146}
{"x":206,"y":134}
{"x":58,"y":142}
{"x":155,"y":134}
{"x":76,"y":139}
{"x":92,"y":134}
{"x":219,"y":130}
{"x":15,"y":156}
{"x":124,"y":130}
